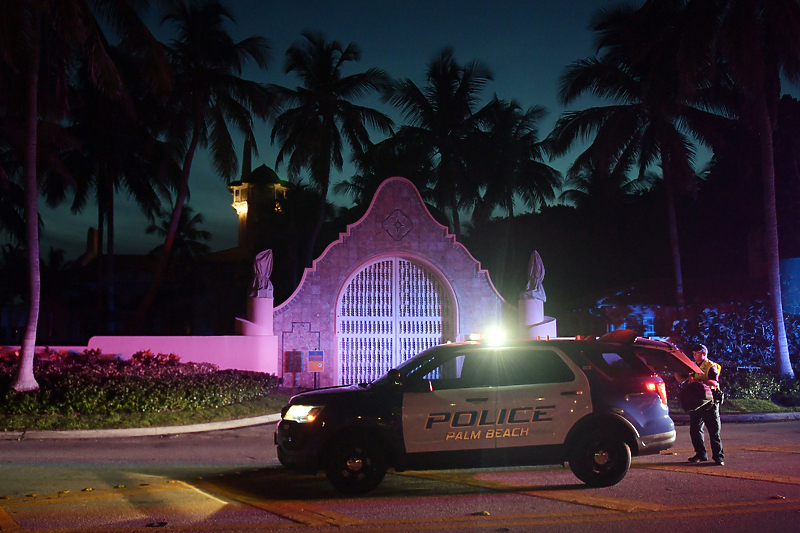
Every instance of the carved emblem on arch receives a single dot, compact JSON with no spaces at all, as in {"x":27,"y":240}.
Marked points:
{"x":397,"y":225}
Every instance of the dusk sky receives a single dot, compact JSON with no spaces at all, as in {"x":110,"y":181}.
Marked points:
{"x":527,"y":44}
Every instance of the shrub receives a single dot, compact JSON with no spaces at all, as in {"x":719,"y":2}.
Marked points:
{"x":90,"y":383}
{"x":741,"y":339}
{"x":740,"y":336}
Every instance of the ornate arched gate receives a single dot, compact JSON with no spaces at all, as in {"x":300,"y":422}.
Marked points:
{"x":389,"y":311}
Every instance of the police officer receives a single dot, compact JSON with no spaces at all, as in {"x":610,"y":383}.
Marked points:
{"x":708,"y":415}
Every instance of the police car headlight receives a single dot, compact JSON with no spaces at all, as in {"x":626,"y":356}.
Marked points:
{"x":302,"y":413}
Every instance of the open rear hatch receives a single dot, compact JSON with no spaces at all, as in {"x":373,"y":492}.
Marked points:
{"x":662,"y":356}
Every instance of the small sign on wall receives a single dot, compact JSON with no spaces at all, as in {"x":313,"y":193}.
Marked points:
{"x":293,"y":361}
{"x":316,"y":361}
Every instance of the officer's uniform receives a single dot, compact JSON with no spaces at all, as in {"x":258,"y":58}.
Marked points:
{"x":706,"y":415}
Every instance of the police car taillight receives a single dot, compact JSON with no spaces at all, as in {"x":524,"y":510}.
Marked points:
{"x":660,"y":388}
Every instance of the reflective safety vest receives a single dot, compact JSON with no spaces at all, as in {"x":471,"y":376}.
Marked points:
{"x":706,"y":366}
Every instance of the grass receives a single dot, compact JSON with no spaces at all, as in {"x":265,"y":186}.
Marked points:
{"x":92,"y":391}
{"x":745,"y":406}
{"x":741,"y":406}
{"x":261,"y":406}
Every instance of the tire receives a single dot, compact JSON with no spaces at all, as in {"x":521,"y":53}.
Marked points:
{"x":356,"y":465}
{"x":600,"y":460}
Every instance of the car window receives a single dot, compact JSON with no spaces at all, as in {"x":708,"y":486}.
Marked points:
{"x":665,"y":361}
{"x":616,"y":363}
{"x":453,"y":370}
{"x":521,"y":366}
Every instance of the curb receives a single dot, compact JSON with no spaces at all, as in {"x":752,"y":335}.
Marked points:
{"x":269,"y":419}
{"x":745,"y":418}
{"x":140,"y":432}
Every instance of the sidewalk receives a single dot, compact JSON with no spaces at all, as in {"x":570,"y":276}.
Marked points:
{"x":140,"y":432}
{"x":679,"y":419}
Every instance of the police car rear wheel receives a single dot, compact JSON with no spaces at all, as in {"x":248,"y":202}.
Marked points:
{"x":356,"y":465}
{"x":600,"y":460}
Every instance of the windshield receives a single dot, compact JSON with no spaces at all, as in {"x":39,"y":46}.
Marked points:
{"x":406,"y":367}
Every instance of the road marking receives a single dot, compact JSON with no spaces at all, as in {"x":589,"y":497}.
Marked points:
{"x":459,"y":479}
{"x":6,"y":522}
{"x":306,"y":513}
{"x":204,"y":493}
{"x":785,"y":448}
{"x":570,"y":496}
{"x":601,"y":502}
{"x":459,"y":523}
{"x":48,"y":499}
{"x":297,"y":511}
{"x":781,"y":448}
{"x":724,"y":472}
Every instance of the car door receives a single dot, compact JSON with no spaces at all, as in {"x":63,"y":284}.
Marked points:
{"x":540,"y":395}
{"x":449,"y":403}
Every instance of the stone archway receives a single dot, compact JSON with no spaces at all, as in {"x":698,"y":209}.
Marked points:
{"x":340,"y":296}
{"x":388,"y":311}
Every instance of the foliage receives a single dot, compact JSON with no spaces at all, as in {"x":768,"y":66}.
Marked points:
{"x":91,"y":383}
{"x":442,"y":120}
{"x":320,"y":117}
{"x":740,"y":338}
{"x":739,"y":335}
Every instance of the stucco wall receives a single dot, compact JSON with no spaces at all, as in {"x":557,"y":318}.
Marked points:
{"x":397,"y":223}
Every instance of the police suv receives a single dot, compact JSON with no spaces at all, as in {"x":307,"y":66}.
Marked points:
{"x":592,"y":403}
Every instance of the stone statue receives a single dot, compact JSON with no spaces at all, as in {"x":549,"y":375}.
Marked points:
{"x":534,"y":290}
{"x":262,"y":267}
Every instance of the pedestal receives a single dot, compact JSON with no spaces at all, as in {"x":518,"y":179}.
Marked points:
{"x":532,"y":322}
{"x":259,"y":313}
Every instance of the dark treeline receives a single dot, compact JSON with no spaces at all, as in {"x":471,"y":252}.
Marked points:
{"x":93,"y":106}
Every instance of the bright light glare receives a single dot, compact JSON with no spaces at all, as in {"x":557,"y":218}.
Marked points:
{"x":474,"y":336}
{"x":302,"y":413}
{"x":495,"y":335}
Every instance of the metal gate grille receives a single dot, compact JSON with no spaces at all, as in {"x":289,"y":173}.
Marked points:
{"x":390,"y":311}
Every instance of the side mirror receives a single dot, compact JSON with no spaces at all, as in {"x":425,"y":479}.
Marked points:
{"x":395,"y":377}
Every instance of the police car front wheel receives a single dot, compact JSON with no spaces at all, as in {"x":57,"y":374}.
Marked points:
{"x":600,"y":460}
{"x":356,"y":465}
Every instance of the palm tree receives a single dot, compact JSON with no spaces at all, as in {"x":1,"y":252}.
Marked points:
{"x":118,"y":150}
{"x":512,"y":158}
{"x":207,"y":93}
{"x":388,"y":158}
{"x":597,"y":189}
{"x":41,"y":41}
{"x":649,"y":122}
{"x":321,"y":114}
{"x":441,"y":118}
{"x":757,"y":40}
{"x":187,"y":244}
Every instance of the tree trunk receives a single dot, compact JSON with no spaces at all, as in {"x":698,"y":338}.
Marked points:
{"x":100,"y":322}
{"x":323,"y":201}
{"x":135,"y":324}
{"x":782,"y":361}
{"x":111,"y":324}
{"x":672,"y":224}
{"x":25,"y":380}
{"x":456,"y":217}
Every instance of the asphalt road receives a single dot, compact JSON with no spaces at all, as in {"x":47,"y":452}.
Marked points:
{"x":230,"y":480}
